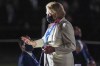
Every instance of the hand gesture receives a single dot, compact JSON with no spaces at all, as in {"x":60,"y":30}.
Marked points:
{"x":92,"y":63}
{"x":26,"y":39}
{"x":48,"y":49}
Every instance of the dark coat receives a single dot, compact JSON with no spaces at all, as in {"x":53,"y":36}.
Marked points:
{"x":26,"y":60}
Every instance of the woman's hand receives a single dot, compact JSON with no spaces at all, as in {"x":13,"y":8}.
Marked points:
{"x":48,"y":49}
{"x":26,"y":39}
{"x":92,"y":63}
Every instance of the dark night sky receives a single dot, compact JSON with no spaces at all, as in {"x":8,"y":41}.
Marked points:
{"x":88,"y":20}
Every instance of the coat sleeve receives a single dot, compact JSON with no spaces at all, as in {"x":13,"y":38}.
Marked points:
{"x":68,"y":40}
{"x":39,"y":43}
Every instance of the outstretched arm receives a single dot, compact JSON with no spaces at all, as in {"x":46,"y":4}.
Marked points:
{"x":28,"y":41}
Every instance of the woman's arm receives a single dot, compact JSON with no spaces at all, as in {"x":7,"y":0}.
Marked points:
{"x":35,"y":43}
{"x":68,"y":40}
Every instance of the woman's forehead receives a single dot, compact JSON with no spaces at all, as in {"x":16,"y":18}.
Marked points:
{"x":48,"y":11}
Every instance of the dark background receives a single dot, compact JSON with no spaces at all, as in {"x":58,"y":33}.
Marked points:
{"x":21,"y":17}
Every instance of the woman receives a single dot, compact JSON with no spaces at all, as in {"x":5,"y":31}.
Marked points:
{"x":82,"y":55}
{"x":58,"y":41}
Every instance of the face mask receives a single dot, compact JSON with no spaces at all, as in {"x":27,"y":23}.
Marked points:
{"x":50,"y":19}
{"x":28,"y":48}
{"x":77,"y":37}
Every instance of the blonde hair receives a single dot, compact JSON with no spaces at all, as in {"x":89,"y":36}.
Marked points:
{"x":56,"y":8}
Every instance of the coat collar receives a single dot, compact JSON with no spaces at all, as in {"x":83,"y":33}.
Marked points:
{"x":62,"y":20}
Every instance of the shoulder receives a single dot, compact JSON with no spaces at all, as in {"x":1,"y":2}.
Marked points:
{"x":65,"y":23}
